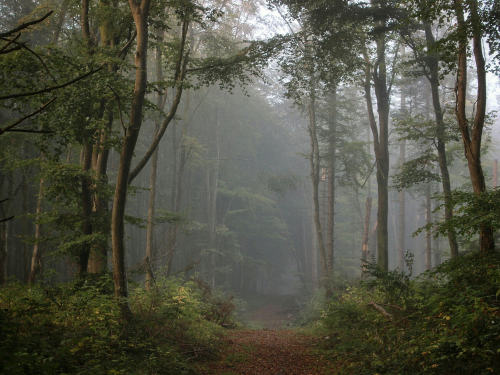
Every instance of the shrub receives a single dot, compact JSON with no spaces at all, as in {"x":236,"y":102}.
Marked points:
{"x":77,"y":329}
{"x":445,"y":322}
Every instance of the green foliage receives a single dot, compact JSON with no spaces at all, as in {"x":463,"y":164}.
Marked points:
{"x":78,"y":329}
{"x":471,"y":211}
{"x":444,"y":322}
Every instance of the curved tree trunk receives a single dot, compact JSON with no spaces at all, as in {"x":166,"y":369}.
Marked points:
{"x":471,"y":135}
{"x":433,"y":65}
{"x":140,"y":15}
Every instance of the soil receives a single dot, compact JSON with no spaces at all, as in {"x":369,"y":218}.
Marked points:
{"x":270,"y":352}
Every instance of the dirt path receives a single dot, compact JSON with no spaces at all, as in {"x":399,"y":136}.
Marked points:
{"x":270,"y":352}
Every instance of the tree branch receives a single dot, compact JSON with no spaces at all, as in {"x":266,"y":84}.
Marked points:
{"x":48,"y":89}
{"x":25,"y":25}
{"x":179,"y":75}
{"x":42,"y":108}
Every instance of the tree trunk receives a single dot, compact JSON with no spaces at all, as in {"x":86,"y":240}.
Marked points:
{"x":365,"y":250}
{"x":471,"y":136}
{"x":366,"y":232}
{"x":150,"y":219}
{"x":86,"y":202}
{"x":495,"y":174}
{"x":100,"y":154}
{"x":152,"y":178}
{"x":428,"y":233}
{"x":332,"y":147}
{"x":402,"y":193}
{"x":380,"y":144}
{"x":433,"y":77}
{"x":140,"y":15}
{"x":36,"y":257}
{"x":314,"y":161}
{"x":3,"y":251}
{"x":213,"y":183}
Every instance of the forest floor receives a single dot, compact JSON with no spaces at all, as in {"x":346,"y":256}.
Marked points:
{"x":271,"y":348}
{"x":270,"y":352}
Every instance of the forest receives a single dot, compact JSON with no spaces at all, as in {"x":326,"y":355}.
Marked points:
{"x":242,"y":187}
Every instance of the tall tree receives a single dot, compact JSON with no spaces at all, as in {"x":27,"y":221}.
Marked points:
{"x":140,"y":14}
{"x":472,"y":133}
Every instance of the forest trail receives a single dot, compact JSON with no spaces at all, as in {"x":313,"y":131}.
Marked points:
{"x":270,"y":352}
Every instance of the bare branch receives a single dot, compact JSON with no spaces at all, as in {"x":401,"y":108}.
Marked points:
{"x":381,"y":310}
{"x":42,"y":108}
{"x":25,"y":25}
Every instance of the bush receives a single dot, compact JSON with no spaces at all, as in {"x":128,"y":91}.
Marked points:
{"x":445,"y":322}
{"x":77,"y":329}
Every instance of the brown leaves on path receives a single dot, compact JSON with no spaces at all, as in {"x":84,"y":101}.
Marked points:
{"x":270,"y":352}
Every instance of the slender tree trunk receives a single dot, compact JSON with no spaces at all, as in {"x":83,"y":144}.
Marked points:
{"x":381,"y":144}
{"x":3,"y":251}
{"x":86,"y":202}
{"x":213,"y":184}
{"x":365,"y":250}
{"x":172,"y":227}
{"x":100,"y":154}
{"x":150,"y":219}
{"x":366,"y":231}
{"x":471,"y":136}
{"x":495,"y":173}
{"x":152,"y":178}
{"x":314,"y":160}
{"x":60,"y":21}
{"x":179,"y":158}
{"x":428,"y":233}
{"x":140,"y":16}
{"x":36,"y":257}
{"x":332,"y":146}
{"x":402,"y":193}
{"x":433,"y":65}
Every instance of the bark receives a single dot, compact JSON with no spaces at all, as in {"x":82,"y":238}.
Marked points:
{"x":60,"y":21}
{"x":98,"y":252}
{"x":428,"y":233}
{"x":86,"y":202}
{"x":150,"y":220}
{"x":433,"y":77}
{"x":213,"y":184}
{"x":140,"y":16}
{"x":36,"y":257}
{"x":402,"y":194}
{"x":366,"y":232}
{"x":471,"y":135}
{"x":152,"y":179}
{"x":100,"y":154}
{"x":332,"y":146}
{"x":314,"y":161}
{"x":3,"y":251}
{"x":380,"y":144}
{"x":365,"y":249}
{"x":495,"y":173}
{"x":179,"y":76}
{"x":177,"y":189}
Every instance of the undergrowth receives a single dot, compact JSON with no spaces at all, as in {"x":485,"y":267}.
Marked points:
{"x":78,"y":329}
{"x":447,"y":321}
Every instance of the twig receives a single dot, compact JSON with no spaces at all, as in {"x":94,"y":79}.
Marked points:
{"x":38,"y":57}
{"x":25,"y":25}
{"x":381,"y":310}
{"x":119,"y":107}
{"x":52,"y":88}
{"x":8,"y":128}
{"x":9,"y":42}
